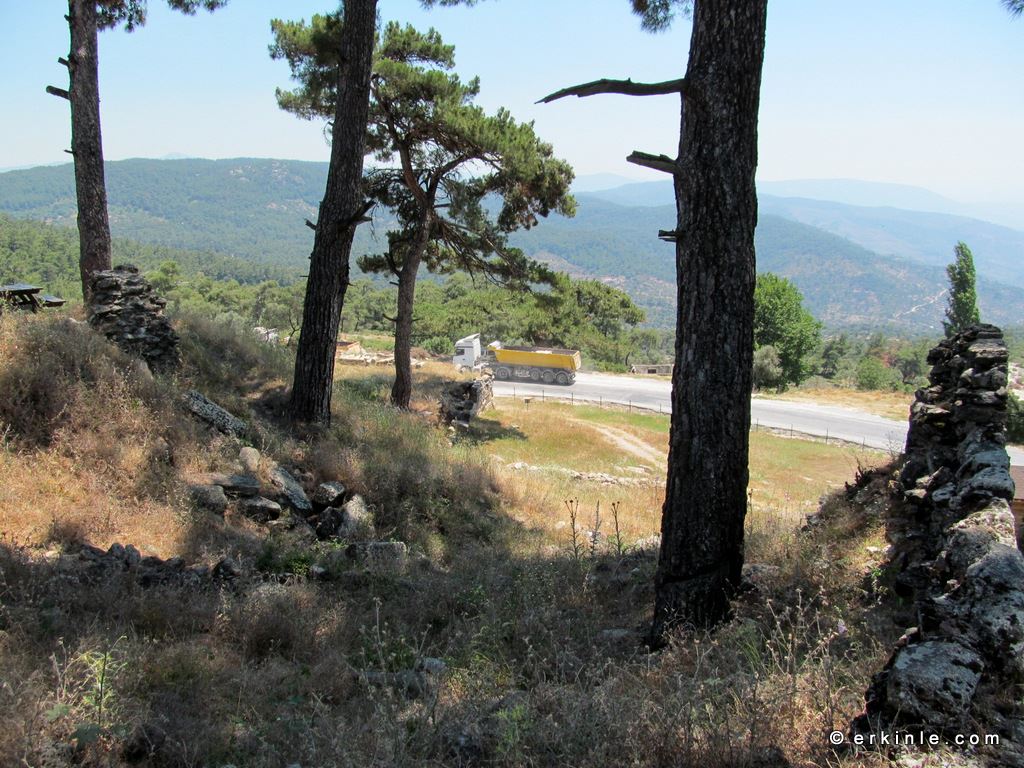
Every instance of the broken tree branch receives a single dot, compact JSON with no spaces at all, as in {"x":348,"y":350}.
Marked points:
{"x":668,"y":235}
{"x":624,"y":87}
{"x":55,"y":91}
{"x":64,"y":61}
{"x":311,"y":225}
{"x":662,"y":163}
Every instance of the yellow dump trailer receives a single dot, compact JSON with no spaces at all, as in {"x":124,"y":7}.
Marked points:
{"x":550,"y":366}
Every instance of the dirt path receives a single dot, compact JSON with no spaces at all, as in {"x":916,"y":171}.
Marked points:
{"x":630,"y":444}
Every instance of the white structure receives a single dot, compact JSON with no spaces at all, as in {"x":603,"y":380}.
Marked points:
{"x":467,"y":352}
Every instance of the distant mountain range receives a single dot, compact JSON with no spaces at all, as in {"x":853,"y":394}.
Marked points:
{"x":858,"y":266}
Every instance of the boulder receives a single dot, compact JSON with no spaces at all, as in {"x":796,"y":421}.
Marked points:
{"x":208,"y":411}
{"x":932,"y":683}
{"x":292,"y":493}
{"x":209,"y":497}
{"x":259,"y":509}
{"x":380,"y":558}
{"x":249,"y":458}
{"x":328,"y":495}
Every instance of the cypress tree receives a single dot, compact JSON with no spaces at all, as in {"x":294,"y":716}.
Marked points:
{"x":962,"y":309}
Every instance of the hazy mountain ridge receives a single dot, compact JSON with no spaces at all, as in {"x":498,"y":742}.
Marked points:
{"x":255,"y":209}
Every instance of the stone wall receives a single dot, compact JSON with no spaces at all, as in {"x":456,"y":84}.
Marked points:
{"x":462,"y":400}
{"x":125,"y":309}
{"x":954,"y":551}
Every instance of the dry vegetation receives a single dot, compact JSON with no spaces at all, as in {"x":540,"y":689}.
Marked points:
{"x":273,"y":668}
{"x":891,"y":405}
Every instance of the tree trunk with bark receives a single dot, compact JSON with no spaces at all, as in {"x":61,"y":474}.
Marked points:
{"x":87,"y":142}
{"x":341,"y":211}
{"x":401,"y":390}
{"x":706,"y":497}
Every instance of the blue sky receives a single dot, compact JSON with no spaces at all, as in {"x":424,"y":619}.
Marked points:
{"x":922,"y":92}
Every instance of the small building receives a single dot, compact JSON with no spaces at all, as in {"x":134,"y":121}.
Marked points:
{"x":654,"y":369}
{"x":348,"y":348}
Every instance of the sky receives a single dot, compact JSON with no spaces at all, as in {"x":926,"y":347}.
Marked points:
{"x":919,"y":92}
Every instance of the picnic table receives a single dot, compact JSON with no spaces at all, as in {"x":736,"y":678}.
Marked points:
{"x":25,"y":296}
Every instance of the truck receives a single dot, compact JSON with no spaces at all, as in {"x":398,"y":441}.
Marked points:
{"x":549,"y":365}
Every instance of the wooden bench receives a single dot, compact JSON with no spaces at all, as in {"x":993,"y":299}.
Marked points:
{"x":25,"y":296}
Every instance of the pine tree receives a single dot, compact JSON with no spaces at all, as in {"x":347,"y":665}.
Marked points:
{"x":440,"y":157}
{"x":962,"y":309}
{"x":85,"y":19}
{"x":344,"y":44}
{"x":705,"y":503}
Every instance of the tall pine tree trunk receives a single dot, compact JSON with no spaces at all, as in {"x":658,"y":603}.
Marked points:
{"x":401,"y":390}
{"x":705,"y":502}
{"x":87,"y":142}
{"x":339,"y":216}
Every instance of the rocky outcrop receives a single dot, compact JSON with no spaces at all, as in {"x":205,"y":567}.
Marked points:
{"x":462,"y":400}
{"x":953,"y":549}
{"x":124,"y":308}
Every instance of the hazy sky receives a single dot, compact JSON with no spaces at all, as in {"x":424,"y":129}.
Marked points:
{"x":923,"y":92}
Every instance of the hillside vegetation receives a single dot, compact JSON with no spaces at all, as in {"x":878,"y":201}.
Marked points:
{"x":255,"y":209}
{"x":508,"y":639}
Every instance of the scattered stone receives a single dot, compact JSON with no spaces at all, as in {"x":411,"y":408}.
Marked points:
{"x":123,"y":307}
{"x":357,"y":520}
{"x":226,"y":569}
{"x":328,"y":494}
{"x":209,"y":497}
{"x":259,"y":509}
{"x":380,"y":558}
{"x":218,"y":418}
{"x":232,"y":485}
{"x":759,"y":575}
{"x":292,"y":493}
{"x":421,"y":681}
{"x":249,"y":458}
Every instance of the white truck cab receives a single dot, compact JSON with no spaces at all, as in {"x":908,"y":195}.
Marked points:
{"x":467,"y":352}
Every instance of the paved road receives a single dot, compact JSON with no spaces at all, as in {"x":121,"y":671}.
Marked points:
{"x":846,"y":424}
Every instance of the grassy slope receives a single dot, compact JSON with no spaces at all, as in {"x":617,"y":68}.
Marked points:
{"x":267,"y":672}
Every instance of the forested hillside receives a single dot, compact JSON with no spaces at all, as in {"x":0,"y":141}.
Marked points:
{"x":252,"y":211}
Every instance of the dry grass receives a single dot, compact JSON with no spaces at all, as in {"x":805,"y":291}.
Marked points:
{"x":891,"y":405}
{"x":269,"y":671}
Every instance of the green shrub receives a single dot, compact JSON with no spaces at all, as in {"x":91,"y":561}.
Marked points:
{"x":873,"y":374}
{"x":1015,"y":419}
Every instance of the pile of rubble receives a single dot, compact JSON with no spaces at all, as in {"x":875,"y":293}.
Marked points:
{"x":124,"y":308}
{"x":954,"y":548}
{"x":462,"y":400}
{"x":328,"y":512}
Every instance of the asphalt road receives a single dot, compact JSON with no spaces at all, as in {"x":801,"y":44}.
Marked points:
{"x":847,"y":424}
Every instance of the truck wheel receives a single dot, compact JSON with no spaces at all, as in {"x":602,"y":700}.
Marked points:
{"x":547,"y":377}
{"x":502,"y":373}
{"x":534,"y":374}
{"x":562,"y":378}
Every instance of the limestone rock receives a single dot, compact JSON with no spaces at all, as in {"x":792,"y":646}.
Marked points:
{"x":933,"y":683}
{"x":380,"y":558}
{"x":218,"y":418}
{"x":328,"y":494}
{"x":259,"y":509}
{"x":292,"y":492}
{"x":209,"y":497}
{"x":250,"y":460}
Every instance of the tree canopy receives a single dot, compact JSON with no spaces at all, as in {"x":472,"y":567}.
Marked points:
{"x":781,"y":322}
{"x":962,"y":308}
{"x":442,"y":163}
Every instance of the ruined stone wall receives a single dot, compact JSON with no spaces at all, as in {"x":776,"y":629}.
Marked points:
{"x":125,"y":309}
{"x":954,"y":550}
{"x":462,"y":400}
